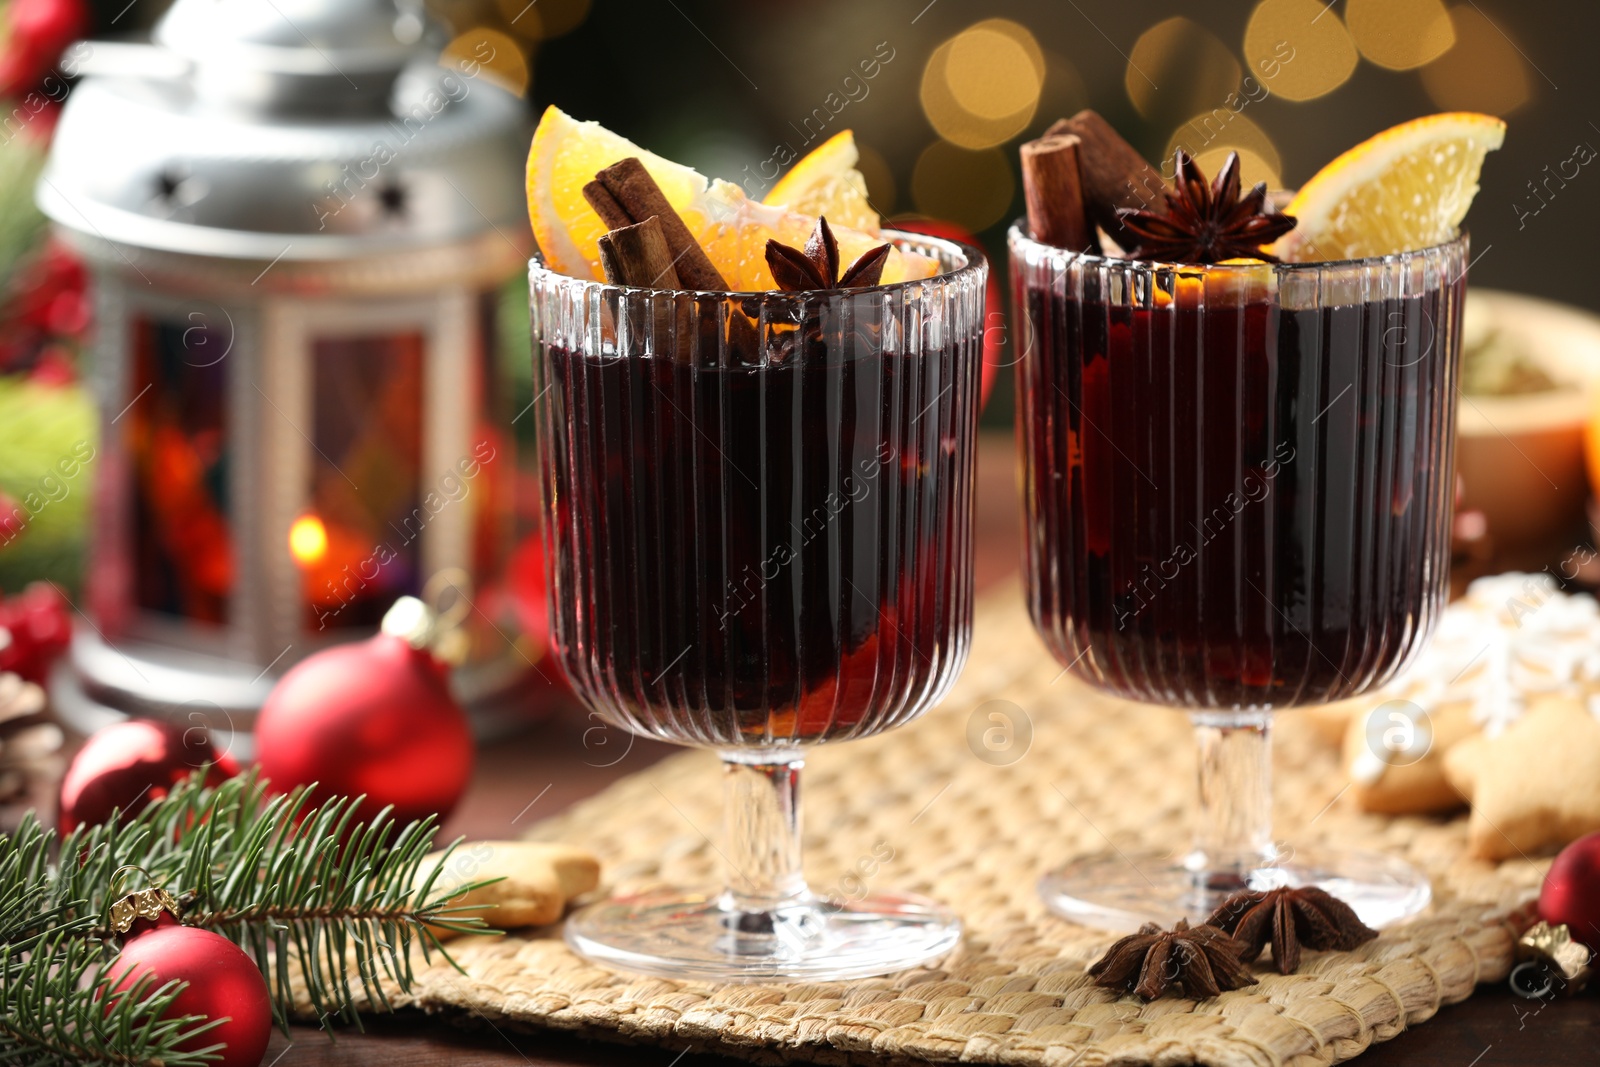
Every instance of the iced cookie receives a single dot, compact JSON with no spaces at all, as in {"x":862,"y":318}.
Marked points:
{"x":1536,"y":785}
{"x":1511,"y":639}
{"x":1395,"y":755}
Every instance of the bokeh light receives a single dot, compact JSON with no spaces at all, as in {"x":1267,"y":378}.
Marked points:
{"x":993,"y":74}
{"x":880,"y":179}
{"x":1065,"y":92}
{"x":1483,"y":72}
{"x":1299,"y":49}
{"x":1192,"y":67}
{"x":1209,"y":138}
{"x":521,"y":19}
{"x":981,"y":87}
{"x":535,"y":20}
{"x":1400,"y":34}
{"x":457,"y":14}
{"x":308,"y":540}
{"x":972,"y":189}
{"x":1253,"y":167}
{"x":496,"y":56}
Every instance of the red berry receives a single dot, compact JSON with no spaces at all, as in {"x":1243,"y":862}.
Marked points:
{"x":39,"y":624}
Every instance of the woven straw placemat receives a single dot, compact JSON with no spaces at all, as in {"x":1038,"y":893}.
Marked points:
{"x":977,"y":835}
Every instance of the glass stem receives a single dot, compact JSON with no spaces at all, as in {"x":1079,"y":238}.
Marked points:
{"x":762,"y":832}
{"x":1233,"y":835}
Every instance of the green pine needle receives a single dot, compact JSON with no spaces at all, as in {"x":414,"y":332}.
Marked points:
{"x":314,"y":895}
{"x":56,"y":1011}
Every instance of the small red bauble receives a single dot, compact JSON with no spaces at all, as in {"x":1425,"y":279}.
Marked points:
{"x":130,"y":764}
{"x":223,"y":982}
{"x":374,"y":717}
{"x":1571,"y":891}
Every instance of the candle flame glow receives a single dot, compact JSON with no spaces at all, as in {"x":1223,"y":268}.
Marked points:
{"x":308,"y":540}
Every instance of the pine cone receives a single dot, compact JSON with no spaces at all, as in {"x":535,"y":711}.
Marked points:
{"x":30,"y":743}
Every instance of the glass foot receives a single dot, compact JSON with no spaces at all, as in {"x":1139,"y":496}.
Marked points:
{"x":677,"y":936}
{"x":1116,"y":891}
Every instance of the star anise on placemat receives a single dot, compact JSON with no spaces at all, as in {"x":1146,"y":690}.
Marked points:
{"x":1206,"y":222}
{"x":1204,"y":960}
{"x":818,"y":266}
{"x":1291,"y":919}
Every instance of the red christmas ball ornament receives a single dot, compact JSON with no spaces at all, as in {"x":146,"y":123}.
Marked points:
{"x":1571,"y":891}
{"x":373,"y":717}
{"x":224,"y":982}
{"x":129,"y":764}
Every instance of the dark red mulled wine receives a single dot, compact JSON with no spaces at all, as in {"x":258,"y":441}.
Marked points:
{"x":763,"y":553}
{"x":1237,"y":485}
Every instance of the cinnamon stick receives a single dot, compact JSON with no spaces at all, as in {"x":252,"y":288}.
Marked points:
{"x":637,"y":194}
{"x":1053,"y":189}
{"x":605,"y":205}
{"x":637,"y":255}
{"x":1112,"y":172}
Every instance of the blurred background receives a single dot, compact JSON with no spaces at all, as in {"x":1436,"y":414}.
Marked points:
{"x":956,"y":87}
{"x":939,"y":95}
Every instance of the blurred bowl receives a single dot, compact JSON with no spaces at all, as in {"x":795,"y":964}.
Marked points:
{"x":1520,"y":457}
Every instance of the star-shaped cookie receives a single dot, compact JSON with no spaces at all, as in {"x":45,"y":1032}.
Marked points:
{"x":1535,"y":786}
{"x":537,"y":880}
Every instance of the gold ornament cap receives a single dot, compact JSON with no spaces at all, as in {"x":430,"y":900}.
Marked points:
{"x":1567,"y":963}
{"x":434,"y":620}
{"x":144,"y":904}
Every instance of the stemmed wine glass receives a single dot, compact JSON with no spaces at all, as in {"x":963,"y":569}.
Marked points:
{"x":1237,"y":491}
{"x":758,"y":524}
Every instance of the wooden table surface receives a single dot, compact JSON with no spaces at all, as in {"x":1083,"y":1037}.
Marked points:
{"x":562,"y":758}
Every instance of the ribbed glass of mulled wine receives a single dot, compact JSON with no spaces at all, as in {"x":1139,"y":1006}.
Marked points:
{"x":758,"y":523}
{"x":1237,"y":488}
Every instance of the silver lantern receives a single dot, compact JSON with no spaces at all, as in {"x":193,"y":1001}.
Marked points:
{"x":297,"y":219}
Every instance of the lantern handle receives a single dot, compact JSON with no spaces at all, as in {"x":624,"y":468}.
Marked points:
{"x":126,"y":59}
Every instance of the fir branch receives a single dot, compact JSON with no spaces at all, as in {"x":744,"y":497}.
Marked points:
{"x":314,"y":895}
{"x":79,"y":889}
{"x":317,"y":887}
{"x":29,"y":905}
{"x":56,"y":1010}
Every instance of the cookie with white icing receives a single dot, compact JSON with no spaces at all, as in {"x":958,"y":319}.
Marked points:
{"x":1512,"y":639}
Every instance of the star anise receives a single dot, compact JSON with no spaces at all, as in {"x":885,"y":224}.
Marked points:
{"x":1207,"y":222}
{"x":1290,"y":918}
{"x":818,"y":266}
{"x":1203,"y":960}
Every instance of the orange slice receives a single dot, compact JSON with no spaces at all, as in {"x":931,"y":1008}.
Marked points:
{"x":564,"y":157}
{"x":732,"y":228}
{"x":1407,"y":188}
{"x":826,"y":182}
